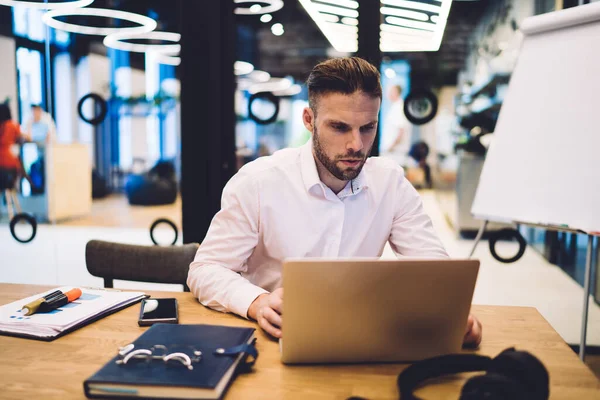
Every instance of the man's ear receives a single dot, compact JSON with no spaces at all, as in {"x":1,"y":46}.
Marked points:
{"x":308,"y":117}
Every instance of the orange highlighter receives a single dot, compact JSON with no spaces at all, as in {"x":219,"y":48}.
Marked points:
{"x":59,"y":301}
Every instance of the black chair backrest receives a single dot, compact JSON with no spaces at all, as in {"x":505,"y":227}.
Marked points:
{"x":156,"y":264}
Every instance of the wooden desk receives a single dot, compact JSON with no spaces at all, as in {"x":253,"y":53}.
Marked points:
{"x":32,"y":369}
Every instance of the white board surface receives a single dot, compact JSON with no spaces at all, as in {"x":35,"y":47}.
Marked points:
{"x":543,"y":166}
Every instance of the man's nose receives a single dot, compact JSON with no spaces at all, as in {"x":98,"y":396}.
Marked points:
{"x":355,"y":144}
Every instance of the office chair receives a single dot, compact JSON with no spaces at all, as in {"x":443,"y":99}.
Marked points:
{"x":155,"y":264}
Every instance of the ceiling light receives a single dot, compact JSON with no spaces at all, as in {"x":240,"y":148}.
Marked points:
{"x":399,"y":12}
{"x":344,"y":12}
{"x":273,"y":5}
{"x":259,"y":76}
{"x":242,"y":67}
{"x":333,"y":31}
{"x":266,"y":18}
{"x":350,"y":21}
{"x":162,"y":58}
{"x":47,"y":6}
{"x":146,"y":24}
{"x":116,"y":41}
{"x":343,"y":3}
{"x":409,"y":23}
{"x":273,"y":85}
{"x":291,"y":91}
{"x":390,"y":73}
{"x":407,"y":26}
{"x":331,"y":18}
{"x":277,"y":29}
{"x":413,"y":5}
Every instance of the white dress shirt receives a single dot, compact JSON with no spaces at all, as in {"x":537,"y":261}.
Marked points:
{"x":276,"y":207}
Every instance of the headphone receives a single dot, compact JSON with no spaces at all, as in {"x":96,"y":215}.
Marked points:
{"x":512,"y":374}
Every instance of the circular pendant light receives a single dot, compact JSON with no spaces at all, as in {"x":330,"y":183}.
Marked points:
{"x":146,"y":24}
{"x":117,"y":41}
{"x":164,"y":58}
{"x":47,"y":6}
{"x":257,"y":9}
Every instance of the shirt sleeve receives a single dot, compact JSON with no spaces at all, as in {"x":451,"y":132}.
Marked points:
{"x":214,"y":275}
{"x":412,"y":233}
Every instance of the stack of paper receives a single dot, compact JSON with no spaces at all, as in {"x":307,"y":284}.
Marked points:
{"x":93,"y":304}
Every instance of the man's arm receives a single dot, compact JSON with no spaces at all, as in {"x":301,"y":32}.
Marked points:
{"x":233,"y":234}
{"x":412,"y":232}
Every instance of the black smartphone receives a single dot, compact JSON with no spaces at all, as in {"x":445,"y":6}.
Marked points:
{"x":153,"y":311}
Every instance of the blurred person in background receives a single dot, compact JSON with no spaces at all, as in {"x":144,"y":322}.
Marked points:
{"x":10,"y":134}
{"x":396,"y":132}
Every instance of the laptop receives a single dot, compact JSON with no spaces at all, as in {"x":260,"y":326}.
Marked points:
{"x":371,"y":310}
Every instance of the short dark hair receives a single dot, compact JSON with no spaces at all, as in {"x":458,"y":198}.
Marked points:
{"x":5,"y":114}
{"x":399,"y":89}
{"x":36,"y":106}
{"x":343,"y":75}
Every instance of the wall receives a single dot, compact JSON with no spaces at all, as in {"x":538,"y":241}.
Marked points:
{"x":8,"y":72}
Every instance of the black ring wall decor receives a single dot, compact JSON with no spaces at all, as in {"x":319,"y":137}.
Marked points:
{"x":163,"y":221}
{"x":420,"y":106}
{"x":25,"y":217}
{"x":507,"y":234}
{"x":98,"y":101}
{"x":263,"y":96}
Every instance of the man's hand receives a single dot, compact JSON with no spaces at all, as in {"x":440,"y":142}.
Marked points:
{"x":267,"y":310}
{"x":474,"y":332}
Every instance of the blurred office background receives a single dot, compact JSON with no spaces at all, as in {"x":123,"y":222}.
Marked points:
{"x":150,"y":128}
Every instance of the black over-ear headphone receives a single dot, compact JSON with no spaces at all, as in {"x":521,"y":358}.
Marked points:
{"x":512,"y":374}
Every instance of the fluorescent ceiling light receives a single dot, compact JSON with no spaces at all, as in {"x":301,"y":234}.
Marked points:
{"x":116,"y":41}
{"x":342,"y":3}
{"x":331,"y":18}
{"x":350,"y":21}
{"x":277,"y":29}
{"x":339,"y":38}
{"x":399,"y":12}
{"x":409,"y":23}
{"x":273,"y":5}
{"x":344,"y":12}
{"x":412,"y":5}
{"x":407,"y":26}
{"x":47,"y":6}
{"x":242,"y":67}
{"x":146,"y":24}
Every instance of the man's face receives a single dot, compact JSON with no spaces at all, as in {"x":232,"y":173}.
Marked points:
{"x":393,"y":94}
{"x":343,"y":130}
{"x":37,"y":113}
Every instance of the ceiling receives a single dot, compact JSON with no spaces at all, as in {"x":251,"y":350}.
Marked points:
{"x":303,"y":45}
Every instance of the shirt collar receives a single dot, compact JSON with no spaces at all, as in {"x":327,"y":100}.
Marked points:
{"x":310,"y":175}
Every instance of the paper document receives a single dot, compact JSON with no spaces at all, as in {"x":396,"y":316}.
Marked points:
{"x":46,"y":325}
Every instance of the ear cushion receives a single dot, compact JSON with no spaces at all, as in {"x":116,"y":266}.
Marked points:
{"x":524,"y":368}
{"x":492,"y":387}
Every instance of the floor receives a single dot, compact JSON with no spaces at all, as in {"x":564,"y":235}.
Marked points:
{"x":57,"y":256}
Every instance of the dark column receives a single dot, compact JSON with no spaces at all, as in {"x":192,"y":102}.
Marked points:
{"x":207,"y":110}
{"x":369,"y":19}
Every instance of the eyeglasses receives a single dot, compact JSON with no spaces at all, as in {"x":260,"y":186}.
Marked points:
{"x":127,"y":354}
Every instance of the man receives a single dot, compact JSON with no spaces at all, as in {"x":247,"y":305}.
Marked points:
{"x":40,"y":126}
{"x":324,"y":199}
{"x":396,"y":129}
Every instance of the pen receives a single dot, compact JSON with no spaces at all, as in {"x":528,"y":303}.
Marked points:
{"x":59,"y":300}
{"x":32,"y":307}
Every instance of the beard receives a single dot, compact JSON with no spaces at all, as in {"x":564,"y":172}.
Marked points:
{"x":331,"y":164}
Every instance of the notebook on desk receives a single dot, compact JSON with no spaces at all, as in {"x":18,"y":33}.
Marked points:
{"x":146,"y":374}
{"x":92,"y":305}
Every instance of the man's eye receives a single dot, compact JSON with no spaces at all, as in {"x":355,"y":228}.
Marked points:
{"x":368,"y":128}
{"x":339,"y":128}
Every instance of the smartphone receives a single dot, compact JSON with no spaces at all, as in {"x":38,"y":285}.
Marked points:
{"x":158,"y":310}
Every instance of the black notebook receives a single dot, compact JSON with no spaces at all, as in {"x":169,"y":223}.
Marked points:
{"x":145,"y":373}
